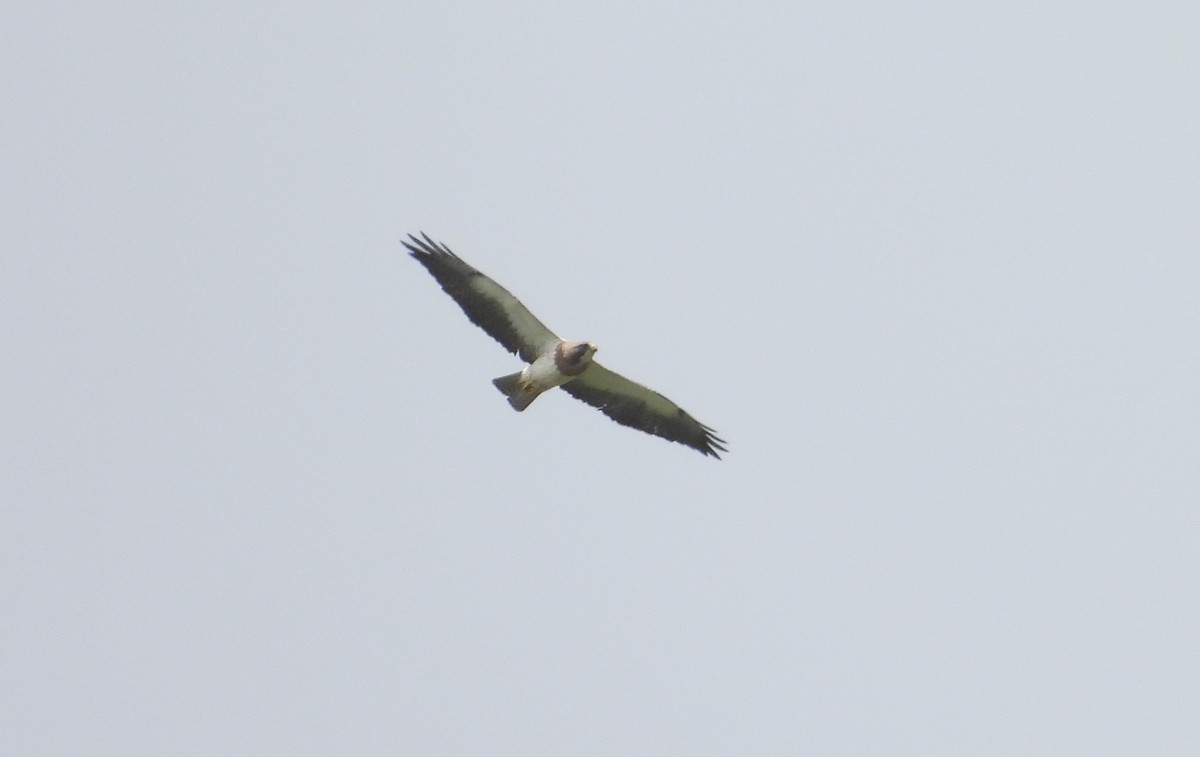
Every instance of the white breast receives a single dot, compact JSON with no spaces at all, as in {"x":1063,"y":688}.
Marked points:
{"x":542,"y":374}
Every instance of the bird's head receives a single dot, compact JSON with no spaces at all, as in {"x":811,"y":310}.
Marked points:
{"x":583,"y":351}
{"x":573,"y":357}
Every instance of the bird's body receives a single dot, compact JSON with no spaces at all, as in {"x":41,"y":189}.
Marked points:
{"x":555,"y":368}
{"x":554,"y":361}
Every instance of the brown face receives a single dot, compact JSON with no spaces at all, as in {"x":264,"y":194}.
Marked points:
{"x":572,"y":357}
{"x":580,"y":353}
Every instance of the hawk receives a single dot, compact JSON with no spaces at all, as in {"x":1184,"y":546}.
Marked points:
{"x":554,"y":361}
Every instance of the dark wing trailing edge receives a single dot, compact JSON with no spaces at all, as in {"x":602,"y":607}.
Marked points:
{"x":636,"y":406}
{"x":490,"y":306}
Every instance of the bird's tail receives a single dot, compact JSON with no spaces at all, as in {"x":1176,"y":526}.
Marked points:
{"x":519,"y":396}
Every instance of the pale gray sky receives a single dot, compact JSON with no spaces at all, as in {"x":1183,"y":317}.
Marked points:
{"x":931,"y":270}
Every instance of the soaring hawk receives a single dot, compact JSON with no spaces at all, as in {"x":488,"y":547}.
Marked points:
{"x":553,"y":361}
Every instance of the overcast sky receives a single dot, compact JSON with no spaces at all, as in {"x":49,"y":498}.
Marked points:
{"x":930,"y":270}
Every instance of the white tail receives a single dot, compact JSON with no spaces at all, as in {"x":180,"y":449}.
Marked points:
{"x":518,"y":396}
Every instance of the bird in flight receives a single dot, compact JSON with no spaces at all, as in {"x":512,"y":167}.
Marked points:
{"x":554,"y":361}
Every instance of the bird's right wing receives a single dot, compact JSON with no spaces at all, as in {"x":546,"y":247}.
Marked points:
{"x":490,"y":306}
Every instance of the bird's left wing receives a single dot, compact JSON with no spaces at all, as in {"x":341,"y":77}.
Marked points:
{"x":634,"y":405}
{"x":490,"y":306}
